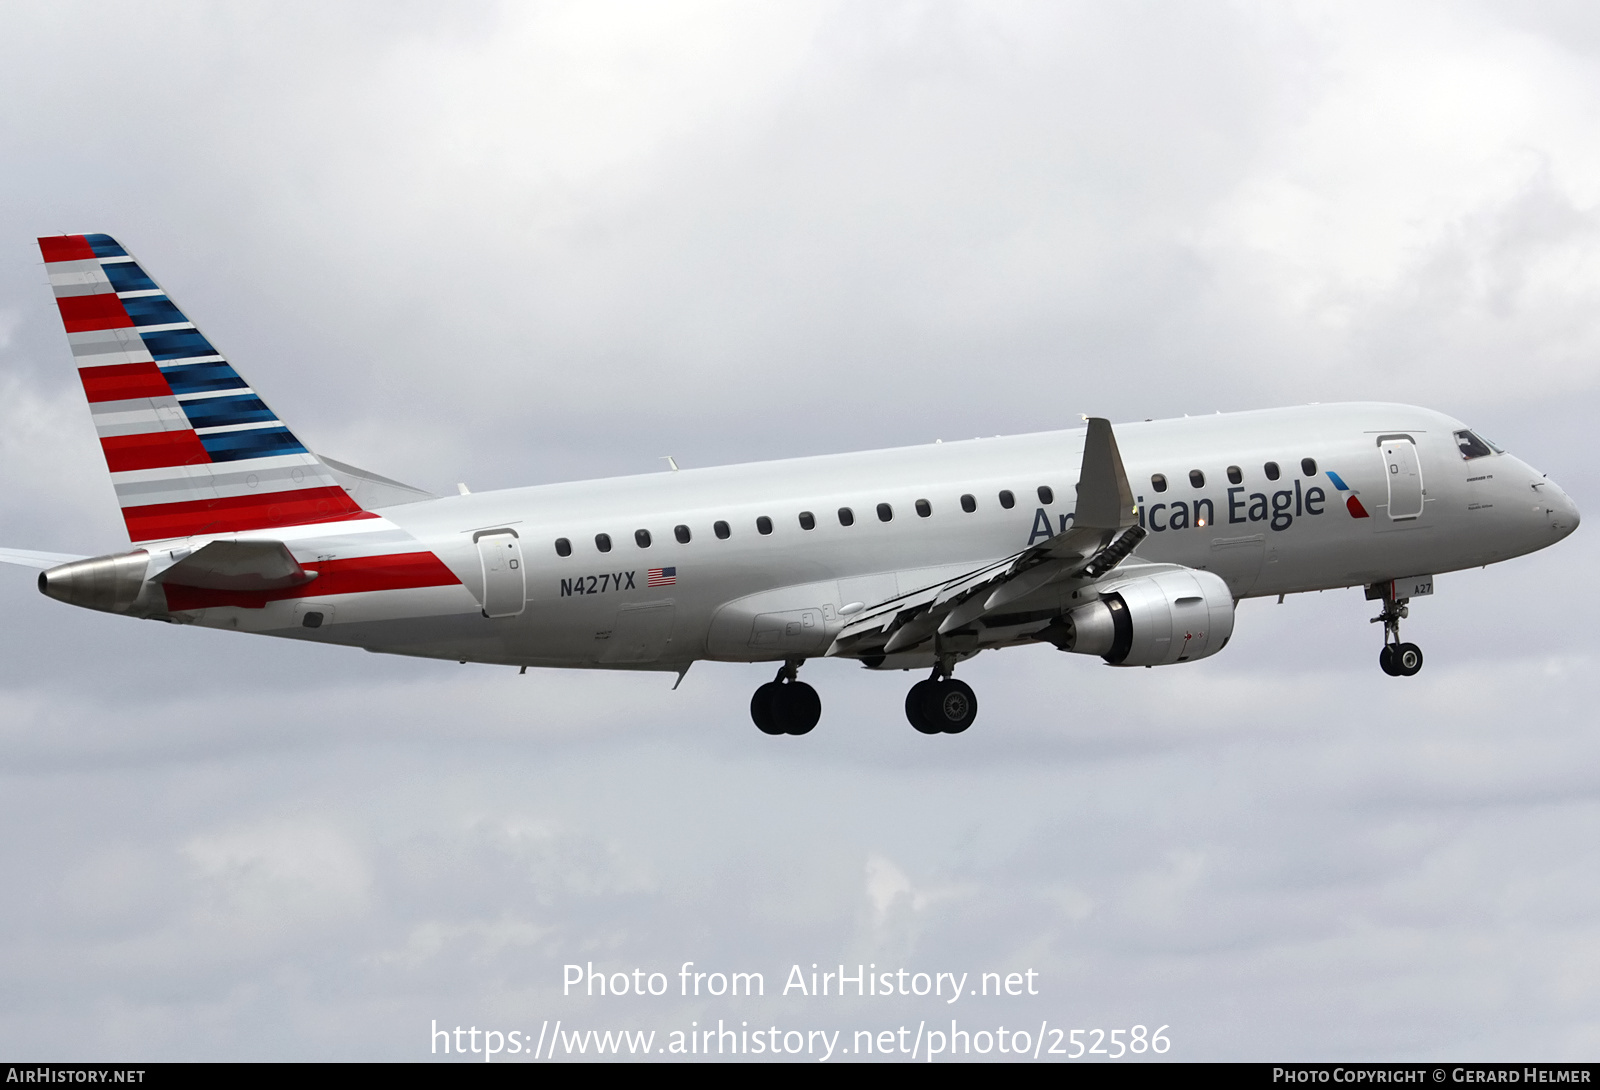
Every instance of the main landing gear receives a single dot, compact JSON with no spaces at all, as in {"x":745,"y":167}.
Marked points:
{"x":941,"y":704}
{"x":1396,"y":659}
{"x":785,"y":705}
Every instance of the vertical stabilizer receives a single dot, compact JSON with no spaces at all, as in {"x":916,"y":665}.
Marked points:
{"x":191,"y":448}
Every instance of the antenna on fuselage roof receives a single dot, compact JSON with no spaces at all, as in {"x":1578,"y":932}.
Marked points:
{"x":670,"y":461}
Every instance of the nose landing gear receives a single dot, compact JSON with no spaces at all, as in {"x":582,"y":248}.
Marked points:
{"x":1396,"y":659}
{"x":785,"y":705}
{"x":941,"y":704}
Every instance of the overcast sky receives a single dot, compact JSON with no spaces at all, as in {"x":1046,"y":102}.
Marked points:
{"x":509,"y":244}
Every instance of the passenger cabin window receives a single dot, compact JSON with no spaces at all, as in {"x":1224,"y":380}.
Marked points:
{"x":681,"y":533}
{"x":1474,"y":446}
{"x":1007,"y":500}
{"x":885,"y":512}
{"x":1271,"y":470}
{"x":763,"y":525}
{"x":1158,"y":481}
{"x":808,"y":521}
{"x":1197,"y":479}
{"x":602,"y":542}
{"x":641,"y":538}
{"x":847,"y":517}
{"x":563,"y":547}
{"x":1308,"y":467}
{"x":1235,"y":476}
{"x":1046,"y":494}
{"x":924,"y":508}
{"x":968,"y":503}
{"x":721,"y":529}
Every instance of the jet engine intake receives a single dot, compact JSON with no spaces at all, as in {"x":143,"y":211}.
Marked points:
{"x":110,"y":584}
{"x":1173,"y":616}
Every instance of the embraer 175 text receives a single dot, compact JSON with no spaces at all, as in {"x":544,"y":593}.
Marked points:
{"x":1131,"y":544}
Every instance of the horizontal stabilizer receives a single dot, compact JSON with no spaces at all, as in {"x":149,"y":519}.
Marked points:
{"x":238,"y":565}
{"x":370,"y":490}
{"x":28,"y":558}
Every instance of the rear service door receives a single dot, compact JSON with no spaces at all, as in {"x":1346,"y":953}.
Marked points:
{"x":505,"y":591}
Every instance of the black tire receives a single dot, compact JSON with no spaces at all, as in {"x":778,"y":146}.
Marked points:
{"x":1407,"y":659}
{"x":1386,"y":661}
{"x":950,"y":705}
{"x":916,"y":700}
{"x":796,"y":707}
{"x":761,"y":709}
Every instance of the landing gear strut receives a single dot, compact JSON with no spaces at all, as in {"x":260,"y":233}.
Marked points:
{"x":1396,"y":659}
{"x":941,"y":704}
{"x":786,"y":705}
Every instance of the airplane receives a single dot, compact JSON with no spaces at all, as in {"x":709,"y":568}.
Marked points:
{"x":1132,"y":544}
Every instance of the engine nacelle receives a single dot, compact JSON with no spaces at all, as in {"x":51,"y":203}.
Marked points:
{"x":1173,"y":616}
{"x":112,"y":584}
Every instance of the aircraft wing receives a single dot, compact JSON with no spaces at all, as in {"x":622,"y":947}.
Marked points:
{"x":1105,"y":529}
{"x":29,"y":558}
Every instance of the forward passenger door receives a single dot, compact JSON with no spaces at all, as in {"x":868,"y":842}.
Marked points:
{"x":1403,"y":470}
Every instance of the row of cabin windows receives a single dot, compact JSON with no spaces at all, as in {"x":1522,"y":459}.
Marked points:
{"x":808,"y":521}
{"x":1197,"y":479}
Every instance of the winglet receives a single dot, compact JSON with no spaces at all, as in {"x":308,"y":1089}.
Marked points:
{"x":1104,"y":499}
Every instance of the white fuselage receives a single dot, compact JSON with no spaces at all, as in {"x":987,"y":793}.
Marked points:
{"x":755,"y":596}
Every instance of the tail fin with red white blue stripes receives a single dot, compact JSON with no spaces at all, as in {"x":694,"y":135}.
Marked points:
{"x":192,"y":449}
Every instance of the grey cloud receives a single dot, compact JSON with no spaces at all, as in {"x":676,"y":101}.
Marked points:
{"x":508,"y":244}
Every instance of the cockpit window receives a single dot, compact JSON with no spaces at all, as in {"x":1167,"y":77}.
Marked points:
{"x":1472,"y":445}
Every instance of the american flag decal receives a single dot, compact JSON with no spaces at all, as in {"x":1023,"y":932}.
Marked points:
{"x":661,"y":577}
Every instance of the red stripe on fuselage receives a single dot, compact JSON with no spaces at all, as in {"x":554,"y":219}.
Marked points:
{"x":357,"y":575}
{"x":66,"y":248}
{"x":83,"y":313}
{"x":154,"y":449}
{"x":159,"y":521}
{"x":123,"y":382}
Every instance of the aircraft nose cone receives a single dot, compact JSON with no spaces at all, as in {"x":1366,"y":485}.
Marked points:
{"x":1563,"y":512}
{"x":1567,"y":515}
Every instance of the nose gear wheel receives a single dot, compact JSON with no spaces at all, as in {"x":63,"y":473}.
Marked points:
{"x":1400,"y":659}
